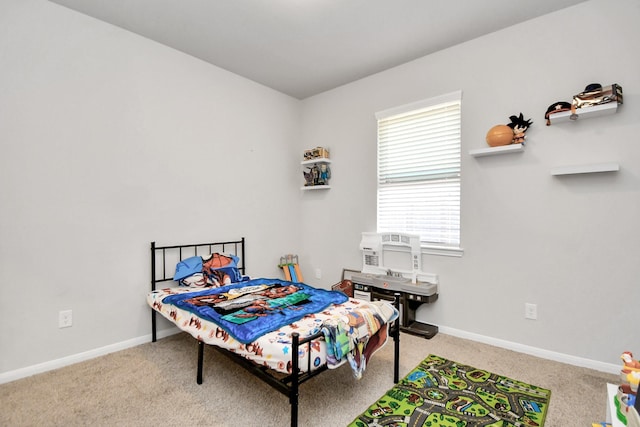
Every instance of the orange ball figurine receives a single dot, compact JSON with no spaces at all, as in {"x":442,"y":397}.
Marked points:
{"x":499,"y":135}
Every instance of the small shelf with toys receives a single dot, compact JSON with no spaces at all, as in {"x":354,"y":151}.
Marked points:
{"x":315,"y":187}
{"x":492,"y":151}
{"x":504,"y":139}
{"x":594,"y":101}
{"x":584,"y":112}
{"x":315,"y":161}
{"x":316,"y":169}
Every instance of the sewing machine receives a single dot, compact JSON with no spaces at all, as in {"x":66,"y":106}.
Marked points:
{"x":379,"y":281}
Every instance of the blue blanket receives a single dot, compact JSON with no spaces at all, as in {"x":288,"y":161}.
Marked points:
{"x":253,"y":308}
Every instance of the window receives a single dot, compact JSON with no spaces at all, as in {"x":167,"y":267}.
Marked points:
{"x":419,"y":170}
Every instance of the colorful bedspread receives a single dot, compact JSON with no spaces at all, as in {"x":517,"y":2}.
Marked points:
{"x":274,"y":349}
{"x":250,"y":309}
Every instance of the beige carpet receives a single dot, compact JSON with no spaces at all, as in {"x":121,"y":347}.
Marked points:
{"x":154,"y":385}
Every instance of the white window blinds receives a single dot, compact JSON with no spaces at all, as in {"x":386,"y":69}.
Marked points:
{"x":419,"y":170}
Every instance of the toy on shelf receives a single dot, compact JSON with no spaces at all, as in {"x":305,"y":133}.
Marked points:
{"x":519,"y":126}
{"x":512,"y":133}
{"x":317,"y":175}
{"x":290,"y":268}
{"x":316,"y":153}
{"x":325,"y":174}
{"x":556,"y":107}
{"x":593,"y":95}
{"x":318,"y":171}
{"x":311,"y":176}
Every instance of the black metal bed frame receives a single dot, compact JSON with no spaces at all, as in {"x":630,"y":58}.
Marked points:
{"x":285,"y":384}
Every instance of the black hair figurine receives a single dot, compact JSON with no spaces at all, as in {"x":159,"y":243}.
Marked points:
{"x":519,"y":126}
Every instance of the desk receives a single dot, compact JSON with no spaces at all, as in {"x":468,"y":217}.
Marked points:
{"x":409,"y":302}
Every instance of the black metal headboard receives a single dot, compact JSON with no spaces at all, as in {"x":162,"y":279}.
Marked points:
{"x":161,"y":256}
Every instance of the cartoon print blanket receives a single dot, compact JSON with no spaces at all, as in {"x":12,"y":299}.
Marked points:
{"x":357,"y":335}
{"x":253,"y":308}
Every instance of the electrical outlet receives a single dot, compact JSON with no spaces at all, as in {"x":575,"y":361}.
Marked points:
{"x":530,"y":311}
{"x":318,"y":273}
{"x":65,"y":319}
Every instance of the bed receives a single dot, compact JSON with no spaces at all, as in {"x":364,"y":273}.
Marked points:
{"x":262,"y":323}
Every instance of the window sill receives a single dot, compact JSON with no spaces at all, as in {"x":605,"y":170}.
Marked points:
{"x":442,"y":250}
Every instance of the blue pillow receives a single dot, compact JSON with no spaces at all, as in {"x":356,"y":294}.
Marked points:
{"x":188,"y":267}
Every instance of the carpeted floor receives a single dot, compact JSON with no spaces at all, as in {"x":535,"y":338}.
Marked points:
{"x":154,"y":385}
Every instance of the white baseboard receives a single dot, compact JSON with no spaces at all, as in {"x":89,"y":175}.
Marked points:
{"x":534,"y":351}
{"x":80,"y":357}
{"x":521,"y":348}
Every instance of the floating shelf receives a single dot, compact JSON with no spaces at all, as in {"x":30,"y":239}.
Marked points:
{"x":584,"y":113}
{"x":316,"y":187}
{"x":314,"y":161}
{"x":580,"y":169}
{"x":492,"y":151}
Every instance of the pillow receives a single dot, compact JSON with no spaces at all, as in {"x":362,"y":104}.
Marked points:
{"x":221,"y":269}
{"x":211,"y":270}
{"x":188,"y":267}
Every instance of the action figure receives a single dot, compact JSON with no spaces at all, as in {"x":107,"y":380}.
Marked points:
{"x":325,"y":174}
{"x":519,"y":126}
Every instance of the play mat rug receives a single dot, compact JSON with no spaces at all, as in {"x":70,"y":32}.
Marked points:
{"x":443,"y":393}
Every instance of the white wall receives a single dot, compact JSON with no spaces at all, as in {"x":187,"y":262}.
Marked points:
{"x":567,"y":244}
{"x":110,"y":141}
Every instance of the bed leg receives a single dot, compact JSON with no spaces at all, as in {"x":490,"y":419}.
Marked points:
{"x":200,"y":361}
{"x":293,"y":393}
{"x":153,"y":288}
{"x":153,"y":326}
{"x":396,"y":342}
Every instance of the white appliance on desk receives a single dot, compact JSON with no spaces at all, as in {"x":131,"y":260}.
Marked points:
{"x":379,"y":281}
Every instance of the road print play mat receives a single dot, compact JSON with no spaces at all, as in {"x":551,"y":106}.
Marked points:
{"x":444,"y":393}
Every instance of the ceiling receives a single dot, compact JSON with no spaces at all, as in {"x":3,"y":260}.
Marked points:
{"x":305,"y":47}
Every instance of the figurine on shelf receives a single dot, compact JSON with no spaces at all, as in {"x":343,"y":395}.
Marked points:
{"x":308,"y":178}
{"x":325,"y":174}
{"x":512,"y":133}
{"x":315,"y":172}
{"x":558,"y":107}
{"x":519,"y":126}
